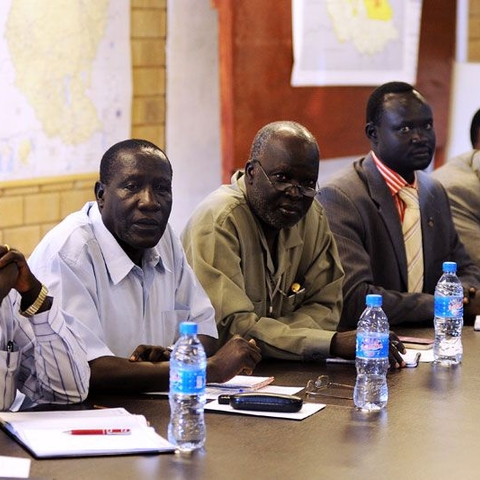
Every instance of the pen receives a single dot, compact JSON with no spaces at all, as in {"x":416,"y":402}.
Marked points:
{"x":9,"y":351}
{"x":339,"y":360}
{"x":100,"y":431}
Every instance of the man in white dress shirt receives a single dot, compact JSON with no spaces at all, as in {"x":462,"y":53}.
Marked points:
{"x":39,"y":353}
{"x":119,"y":269}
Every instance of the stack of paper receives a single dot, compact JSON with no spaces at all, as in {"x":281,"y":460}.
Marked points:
{"x":238,"y":384}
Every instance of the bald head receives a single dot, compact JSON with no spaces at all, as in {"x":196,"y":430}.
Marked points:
{"x":281,"y":128}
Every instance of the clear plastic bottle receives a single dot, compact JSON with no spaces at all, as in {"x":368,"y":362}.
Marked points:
{"x":188,"y":365}
{"x":448,"y":322}
{"x":371,"y":391}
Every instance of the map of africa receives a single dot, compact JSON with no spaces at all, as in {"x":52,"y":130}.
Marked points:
{"x":367,"y":24}
{"x":355,"y":42}
{"x":65,"y":81}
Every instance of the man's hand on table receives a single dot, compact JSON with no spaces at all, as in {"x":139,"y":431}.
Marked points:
{"x":237,"y":356}
{"x":344,"y":345}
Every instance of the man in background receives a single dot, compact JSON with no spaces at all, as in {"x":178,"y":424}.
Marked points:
{"x":39,"y":353}
{"x":119,"y":270}
{"x":460,"y":177}
{"x":366,"y":205}
{"x":263,"y":251}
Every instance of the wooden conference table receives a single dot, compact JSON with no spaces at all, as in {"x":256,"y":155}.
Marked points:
{"x":429,"y":430}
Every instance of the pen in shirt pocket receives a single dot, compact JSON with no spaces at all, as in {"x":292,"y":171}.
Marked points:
{"x":10,"y":348}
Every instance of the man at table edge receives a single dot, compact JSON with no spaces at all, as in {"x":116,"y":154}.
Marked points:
{"x":40,"y":355}
{"x":265,"y":255}
{"x":119,"y":269}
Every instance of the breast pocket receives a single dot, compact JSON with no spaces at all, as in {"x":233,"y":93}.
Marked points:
{"x":9,"y":368}
{"x":294,"y":301}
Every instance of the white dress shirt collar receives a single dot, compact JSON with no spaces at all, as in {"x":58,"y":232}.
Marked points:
{"x":118,"y":263}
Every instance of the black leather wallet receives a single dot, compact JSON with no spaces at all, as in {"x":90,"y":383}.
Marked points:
{"x":264,"y":402}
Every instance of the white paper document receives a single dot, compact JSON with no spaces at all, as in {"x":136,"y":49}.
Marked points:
{"x":425,"y":356}
{"x":244,"y":382}
{"x":306,"y":410}
{"x":238,"y":384}
{"x":14,"y":467}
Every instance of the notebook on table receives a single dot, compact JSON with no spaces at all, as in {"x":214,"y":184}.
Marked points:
{"x":49,"y":434}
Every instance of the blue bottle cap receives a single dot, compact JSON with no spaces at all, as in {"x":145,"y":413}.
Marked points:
{"x":374,"y":300}
{"x":188,"y":328}
{"x":450,"y":267}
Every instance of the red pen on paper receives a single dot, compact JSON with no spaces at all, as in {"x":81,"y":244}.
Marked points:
{"x":100,"y":431}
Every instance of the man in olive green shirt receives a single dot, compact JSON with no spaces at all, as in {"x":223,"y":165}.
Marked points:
{"x":263,"y":251}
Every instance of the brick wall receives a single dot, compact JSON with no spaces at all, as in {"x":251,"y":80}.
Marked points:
{"x":29,"y":208}
{"x":149,"y":20}
{"x":474,"y":31}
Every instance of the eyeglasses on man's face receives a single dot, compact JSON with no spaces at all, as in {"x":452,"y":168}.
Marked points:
{"x":284,"y":186}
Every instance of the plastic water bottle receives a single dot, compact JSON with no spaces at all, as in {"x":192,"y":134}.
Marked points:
{"x":188,"y":365}
{"x":371,"y":391}
{"x":448,"y":322}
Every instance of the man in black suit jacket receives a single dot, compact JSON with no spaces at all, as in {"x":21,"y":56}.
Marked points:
{"x":364,"y":211}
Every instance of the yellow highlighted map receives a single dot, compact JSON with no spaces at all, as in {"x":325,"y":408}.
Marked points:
{"x":368,"y":24}
{"x":379,"y":10}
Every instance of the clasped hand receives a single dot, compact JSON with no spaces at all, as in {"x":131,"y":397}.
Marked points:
{"x":150,"y":353}
{"x":237,"y":356}
{"x":15,"y":273}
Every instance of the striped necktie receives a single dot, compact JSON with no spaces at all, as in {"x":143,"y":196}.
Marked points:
{"x":412,"y":235}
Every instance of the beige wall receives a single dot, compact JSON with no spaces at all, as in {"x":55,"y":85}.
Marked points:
{"x":29,"y":208}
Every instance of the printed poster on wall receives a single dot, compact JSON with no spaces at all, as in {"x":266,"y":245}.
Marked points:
{"x":65,"y":78}
{"x":355,"y":42}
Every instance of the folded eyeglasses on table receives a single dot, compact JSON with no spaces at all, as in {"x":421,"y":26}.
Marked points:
{"x":322,"y":386}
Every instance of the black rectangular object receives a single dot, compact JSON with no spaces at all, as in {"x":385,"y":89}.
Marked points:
{"x":263,"y":402}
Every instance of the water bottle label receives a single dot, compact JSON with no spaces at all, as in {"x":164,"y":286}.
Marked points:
{"x":372,"y":345}
{"x":190,"y":382}
{"x":448,"y":306}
